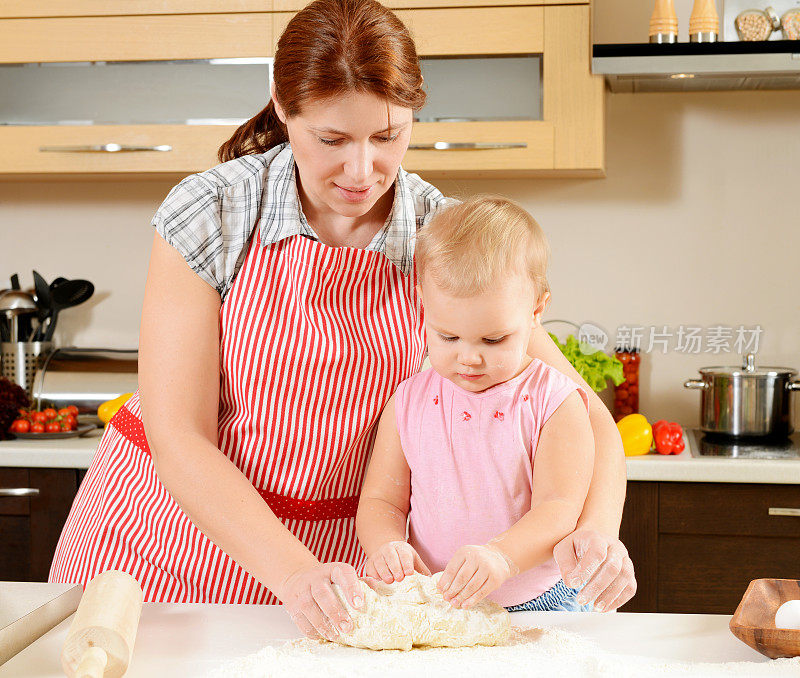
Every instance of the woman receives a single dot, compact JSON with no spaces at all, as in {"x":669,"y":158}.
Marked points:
{"x":279,"y":344}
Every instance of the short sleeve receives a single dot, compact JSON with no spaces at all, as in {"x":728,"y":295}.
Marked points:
{"x":552,"y":390}
{"x":189,"y":220}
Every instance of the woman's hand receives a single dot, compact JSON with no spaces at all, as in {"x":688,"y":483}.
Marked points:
{"x":311,"y":603}
{"x":601,"y":563}
{"x":393,"y":561}
{"x":473,"y":573}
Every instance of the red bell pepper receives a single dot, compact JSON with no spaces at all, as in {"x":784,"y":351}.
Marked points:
{"x":668,"y":437}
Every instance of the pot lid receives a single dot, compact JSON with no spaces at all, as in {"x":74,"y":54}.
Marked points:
{"x":749,"y":369}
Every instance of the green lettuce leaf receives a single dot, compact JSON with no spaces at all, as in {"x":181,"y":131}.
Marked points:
{"x":594,"y":366}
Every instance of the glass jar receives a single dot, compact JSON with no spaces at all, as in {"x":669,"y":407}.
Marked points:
{"x":626,"y":395}
{"x":790,"y":24}
{"x":753,"y":24}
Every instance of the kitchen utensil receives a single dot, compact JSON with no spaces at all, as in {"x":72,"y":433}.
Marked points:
{"x":82,"y":430}
{"x":15,"y":282}
{"x":42,"y":302}
{"x":22,"y":359}
{"x":65,"y":295}
{"x":663,"y":22}
{"x":746,"y":401}
{"x":57,"y":281}
{"x":704,"y":22}
{"x":100,"y":639}
{"x":754,"y":620}
{"x":13,"y":304}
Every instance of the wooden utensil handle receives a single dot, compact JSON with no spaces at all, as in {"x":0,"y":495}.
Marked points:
{"x":92,"y":664}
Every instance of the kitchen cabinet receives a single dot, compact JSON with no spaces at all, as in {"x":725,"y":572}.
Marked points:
{"x":510,"y":88}
{"x":696,"y":546}
{"x":31,"y":524}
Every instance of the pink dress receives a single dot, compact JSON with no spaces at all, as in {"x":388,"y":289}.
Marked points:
{"x":314,"y":340}
{"x":471,"y":457}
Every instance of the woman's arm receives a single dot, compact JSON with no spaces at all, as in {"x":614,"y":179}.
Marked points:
{"x":384,"y":505}
{"x":179,"y":392}
{"x":593,"y":554}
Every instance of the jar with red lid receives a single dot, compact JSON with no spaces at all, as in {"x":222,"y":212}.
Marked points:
{"x":626,"y":395}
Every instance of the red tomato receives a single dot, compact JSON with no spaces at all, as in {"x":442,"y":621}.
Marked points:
{"x":72,"y":421}
{"x":73,"y":410}
{"x":20,"y":426}
{"x":63,"y":412}
{"x":37,"y":428}
{"x":53,"y":427}
{"x":65,"y":426}
{"x":40,"y":417}
{"x":50,"y":413}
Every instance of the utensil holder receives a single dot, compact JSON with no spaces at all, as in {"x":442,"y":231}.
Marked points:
{"x":21,"y":360}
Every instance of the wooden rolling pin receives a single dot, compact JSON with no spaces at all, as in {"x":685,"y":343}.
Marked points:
{"x":100,"y":640}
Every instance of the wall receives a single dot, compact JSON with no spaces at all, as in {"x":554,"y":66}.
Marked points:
{"x":696,"y":224}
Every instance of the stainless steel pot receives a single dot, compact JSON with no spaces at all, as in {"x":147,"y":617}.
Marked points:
{"x":746,"y":402}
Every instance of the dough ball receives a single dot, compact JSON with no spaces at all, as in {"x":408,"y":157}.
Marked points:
{"x":412,"y":613}
{"x":788,"y":615}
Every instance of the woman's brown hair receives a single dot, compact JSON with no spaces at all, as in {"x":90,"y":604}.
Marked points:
{"x":329,"y":48}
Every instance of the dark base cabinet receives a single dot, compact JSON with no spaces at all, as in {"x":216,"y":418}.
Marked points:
{"x":696,"y":546}
{"x":30,"y":525}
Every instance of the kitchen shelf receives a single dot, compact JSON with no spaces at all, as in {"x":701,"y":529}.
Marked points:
{"x":681,"y":67}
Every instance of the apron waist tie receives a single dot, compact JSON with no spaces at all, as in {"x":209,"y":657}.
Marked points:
{"x":284,"y":507}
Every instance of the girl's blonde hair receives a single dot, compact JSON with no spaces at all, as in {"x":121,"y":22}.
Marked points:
{"x":469,"y":246}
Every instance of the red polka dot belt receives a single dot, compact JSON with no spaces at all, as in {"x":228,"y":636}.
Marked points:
{"x":284,"y":507}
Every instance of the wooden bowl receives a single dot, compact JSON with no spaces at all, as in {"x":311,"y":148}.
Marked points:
{"x":754,"y":620}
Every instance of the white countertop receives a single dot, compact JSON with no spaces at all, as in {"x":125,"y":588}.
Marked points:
{"x":66,"y":453}
{"x":192,"y":639}
{"x":687,"y":468}
{"x":78,"y":453}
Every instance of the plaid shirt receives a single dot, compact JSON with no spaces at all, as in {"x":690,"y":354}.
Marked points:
{"x":209,"y":217}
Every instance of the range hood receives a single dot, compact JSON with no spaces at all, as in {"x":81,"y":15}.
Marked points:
{"x":686,"y":67}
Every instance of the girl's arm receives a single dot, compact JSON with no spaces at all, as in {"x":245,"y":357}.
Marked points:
{"x":562,"y":471}
{"x":593,"y":553}
{"x":384,"y":504}
{"x":179,"y":392}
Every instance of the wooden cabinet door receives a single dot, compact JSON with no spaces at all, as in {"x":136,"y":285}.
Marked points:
{"x":31,"y":525}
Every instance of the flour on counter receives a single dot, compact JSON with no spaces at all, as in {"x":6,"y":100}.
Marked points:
{"x":528,"y":652}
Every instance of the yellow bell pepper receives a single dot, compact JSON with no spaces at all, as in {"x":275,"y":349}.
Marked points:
{"x":637,"y":434}
{"x":109,"y":408}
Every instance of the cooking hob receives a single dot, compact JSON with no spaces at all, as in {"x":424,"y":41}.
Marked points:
{"x":711,"y":445}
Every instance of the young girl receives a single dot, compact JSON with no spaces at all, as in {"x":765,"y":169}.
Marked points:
{"x":486,"y":457}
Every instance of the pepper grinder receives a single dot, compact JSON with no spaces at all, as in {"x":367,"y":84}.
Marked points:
{"x":664,"y":22}
{"x":704,"y":22}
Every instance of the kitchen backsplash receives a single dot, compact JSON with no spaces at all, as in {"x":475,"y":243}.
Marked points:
{"x":696,"y":225}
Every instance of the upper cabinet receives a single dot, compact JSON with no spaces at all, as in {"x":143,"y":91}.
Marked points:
{"x":152,"y":88}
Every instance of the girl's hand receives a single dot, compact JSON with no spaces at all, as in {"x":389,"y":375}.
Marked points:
{"x":601,"y":563}
{"x":311,"y":603}
{"x":393,"y":561}
{"x":473,"y":573}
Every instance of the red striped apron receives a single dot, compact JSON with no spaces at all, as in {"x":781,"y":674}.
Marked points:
{"x":314,"y":340}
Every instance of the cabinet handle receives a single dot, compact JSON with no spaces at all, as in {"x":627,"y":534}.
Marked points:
{"x":19,"y":492}
{"x":464,"y":146}
{"x":784,"y":512}
{"x":102,"y":148}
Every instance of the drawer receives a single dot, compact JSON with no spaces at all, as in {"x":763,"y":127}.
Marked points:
{"x":14,"y":478}
{"x":709,"y":574}
{"x":728,"y":509}
{"x":193,"y":148}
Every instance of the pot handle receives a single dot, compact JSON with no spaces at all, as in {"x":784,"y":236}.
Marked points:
{"x":702,"y":385}
{"x":793,"y":385}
